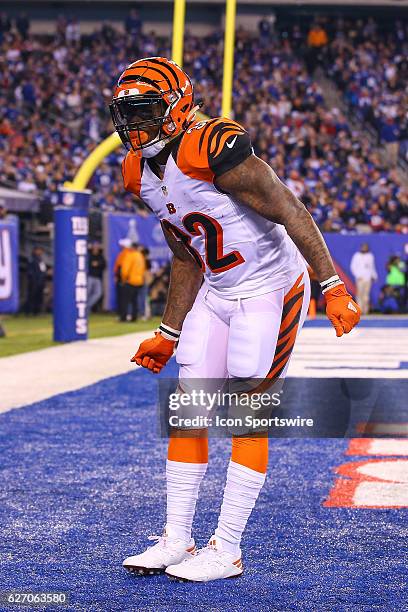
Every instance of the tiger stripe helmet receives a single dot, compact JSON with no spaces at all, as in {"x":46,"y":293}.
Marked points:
{"x":152,"y":92}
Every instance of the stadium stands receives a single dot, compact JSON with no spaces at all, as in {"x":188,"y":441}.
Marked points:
{"x":55,"y":92}
{"x":372,"y":69}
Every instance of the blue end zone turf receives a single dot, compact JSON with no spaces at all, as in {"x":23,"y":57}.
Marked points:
{"x":82,"y":486}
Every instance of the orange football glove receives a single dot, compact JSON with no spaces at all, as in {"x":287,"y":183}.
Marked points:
{"x":341,"y":309}
{"x":154,"y":353}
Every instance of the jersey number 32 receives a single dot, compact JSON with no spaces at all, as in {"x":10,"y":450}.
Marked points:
{"x":196,"y":224}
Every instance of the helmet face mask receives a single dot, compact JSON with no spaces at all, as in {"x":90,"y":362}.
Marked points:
{"x":153,"y":102}
{"x":139,"y":119}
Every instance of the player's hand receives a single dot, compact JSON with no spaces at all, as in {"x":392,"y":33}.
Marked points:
{"x":343,"y":312}
{"x":154,"y":353}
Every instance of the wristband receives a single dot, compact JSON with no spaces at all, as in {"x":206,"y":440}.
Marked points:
{"x":169,"y":332}
{"x":329,"y":281}
{"x":332,"y":285}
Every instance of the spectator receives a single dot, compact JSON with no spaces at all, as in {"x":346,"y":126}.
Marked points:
{"x":96,"y":266}
{"x":36,"y":279}
{"x":265,"y":27}
{"x":133,"y":268}
{"x":23,"y":25}
{"x":364,"y":271}
{"x":133,"y":23}
{"x":317,"y":37}
{"x":388,"y":301}
{"x":73,"y":32}
{"x":390,"y":136}
{"x":125,"y":245}
{"x":395,"y":272}
{"x":295,"y":183}
{"x":316,"y":41}
{"x":5,"y":25}
{"x":396,"y":279}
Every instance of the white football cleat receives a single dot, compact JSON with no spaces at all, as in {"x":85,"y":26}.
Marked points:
{"x":167,"y":551}
{"x":210,"y":563}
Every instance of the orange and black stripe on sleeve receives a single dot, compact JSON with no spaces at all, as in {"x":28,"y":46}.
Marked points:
{"x":210,"y":148}
{"x":192,"y":157}
{"x":228,"y":145}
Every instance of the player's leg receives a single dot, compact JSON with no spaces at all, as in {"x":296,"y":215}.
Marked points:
{"x":202,"y":355}
{"x":186,"y":465}
{"x":276,"y":332}
{"x":262,"y":334}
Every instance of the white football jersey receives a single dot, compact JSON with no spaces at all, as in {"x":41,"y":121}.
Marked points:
{"x":240,"y":252}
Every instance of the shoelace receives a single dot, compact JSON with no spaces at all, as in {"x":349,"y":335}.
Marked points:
{"x":212,"y":548}
{"x":212,"y":557}
{"x":159,"y":539}
{"x":162,"y":540}
{"x":208,"y":551}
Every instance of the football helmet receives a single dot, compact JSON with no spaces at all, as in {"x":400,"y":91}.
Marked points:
{"x":152,"y":103}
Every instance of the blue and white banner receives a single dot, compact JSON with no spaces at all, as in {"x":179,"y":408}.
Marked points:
{"x":144,"y":230}
{"x":9,"y":288}
{"x":70,"y":267}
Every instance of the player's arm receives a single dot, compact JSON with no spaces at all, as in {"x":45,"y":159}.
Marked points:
{"x":185,"y":282}
{"x":256,"y":185}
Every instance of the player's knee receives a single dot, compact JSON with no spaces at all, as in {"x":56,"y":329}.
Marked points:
{"x":250,"y":452}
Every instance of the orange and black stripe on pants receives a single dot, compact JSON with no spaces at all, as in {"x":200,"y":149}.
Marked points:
{"x":292,"y":309}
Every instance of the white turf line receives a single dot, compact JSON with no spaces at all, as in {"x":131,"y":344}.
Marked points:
{"x":38,"y":375}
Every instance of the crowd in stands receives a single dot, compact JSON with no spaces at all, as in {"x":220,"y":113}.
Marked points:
{"x":335,"y":171}
{"x":371,"y":68}
{"x":55,"y":91}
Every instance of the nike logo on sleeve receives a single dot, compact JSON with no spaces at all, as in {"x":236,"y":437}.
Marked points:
{"x":231,"y":144}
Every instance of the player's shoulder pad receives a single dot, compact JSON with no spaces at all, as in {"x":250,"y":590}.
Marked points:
{"x":212,"y":147}
{"x":132,"y":169}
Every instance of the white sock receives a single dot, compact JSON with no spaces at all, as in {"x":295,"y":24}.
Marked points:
{"x":183,"y":483}
{"x":240,"y":494}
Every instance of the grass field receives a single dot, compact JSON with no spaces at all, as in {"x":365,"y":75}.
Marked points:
{"x":33,"y":333}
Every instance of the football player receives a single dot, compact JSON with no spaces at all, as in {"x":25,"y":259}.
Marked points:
{"x":238,"y":295}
